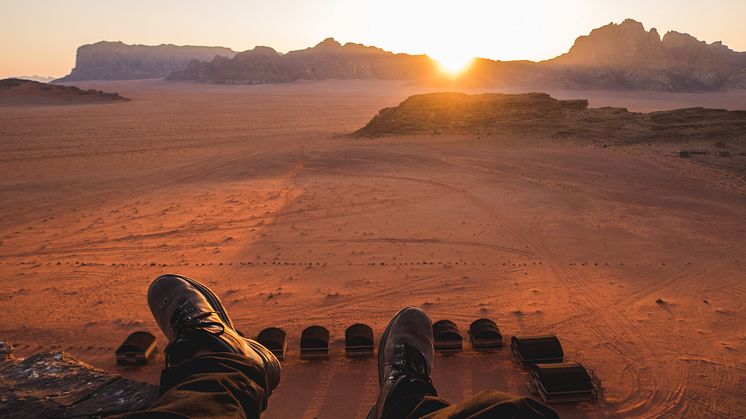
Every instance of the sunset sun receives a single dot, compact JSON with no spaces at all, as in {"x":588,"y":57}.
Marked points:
{"x":453,"y":63}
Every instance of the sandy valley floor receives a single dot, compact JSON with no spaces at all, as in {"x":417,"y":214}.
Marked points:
{"x":253,"y":190}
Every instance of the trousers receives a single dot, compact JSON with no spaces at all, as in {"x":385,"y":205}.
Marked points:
{"x":228,"y":385}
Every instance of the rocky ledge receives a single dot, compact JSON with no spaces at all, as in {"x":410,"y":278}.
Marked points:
{"x":56,"y":385}
{"x":29,"y":92}
{"x":541,"y":114}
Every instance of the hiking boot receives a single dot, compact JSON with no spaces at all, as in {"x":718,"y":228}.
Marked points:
{"x":195,"y":321}
{"x":405,"y":359}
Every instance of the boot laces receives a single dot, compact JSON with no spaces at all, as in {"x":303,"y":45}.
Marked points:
{"x":408,"y":362}
{"x":182,"y":320}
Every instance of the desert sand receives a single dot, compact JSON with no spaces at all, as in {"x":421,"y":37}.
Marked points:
{"x":631,"y":255}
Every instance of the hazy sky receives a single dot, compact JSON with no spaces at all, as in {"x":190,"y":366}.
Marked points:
{"x":41,"y":36}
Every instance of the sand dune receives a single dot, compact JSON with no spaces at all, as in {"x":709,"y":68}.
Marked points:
{"x":255,"y":190}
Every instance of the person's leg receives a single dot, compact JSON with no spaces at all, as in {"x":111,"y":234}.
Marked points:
{"x":405,"y":359}
{"x":211,"y":370}
{"x":223,"y":385}
{"x":487,"y":404}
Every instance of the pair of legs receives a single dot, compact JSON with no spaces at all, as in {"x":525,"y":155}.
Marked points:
{"x":214,"y":372}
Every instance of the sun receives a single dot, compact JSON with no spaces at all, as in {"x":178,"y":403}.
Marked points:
{"x":453,"y":63}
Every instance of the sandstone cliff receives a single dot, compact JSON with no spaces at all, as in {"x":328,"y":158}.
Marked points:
{"x":120,"y":61}
{"x":327,"y":60}
{"x":627,"y":56}
{"x":615,"y":56}
{"x":540,"y":114}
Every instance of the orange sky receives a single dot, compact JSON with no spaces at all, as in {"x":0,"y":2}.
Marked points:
{"x":41,"y":36}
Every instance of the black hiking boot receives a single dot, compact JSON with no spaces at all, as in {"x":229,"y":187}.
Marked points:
{"x":195,"y":321}
{"x":405,"y":359}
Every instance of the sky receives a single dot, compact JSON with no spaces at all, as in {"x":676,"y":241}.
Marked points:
{"x":40,"y":37}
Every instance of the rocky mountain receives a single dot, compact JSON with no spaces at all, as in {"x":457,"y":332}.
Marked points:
{"x":539,"y":113}
{"x":615,"y":56}
{"x":29,"y":92}
{"x":120,"y":61}
{"x":327,"y":60}
{"x":627,"y":56}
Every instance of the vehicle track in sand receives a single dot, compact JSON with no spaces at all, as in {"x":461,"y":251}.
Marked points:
{"x":648,"y":398}
{"x":396,"y":240}
{"x":610,"y":316}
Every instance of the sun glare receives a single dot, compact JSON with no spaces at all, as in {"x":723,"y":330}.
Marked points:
{"x":453,"y":64}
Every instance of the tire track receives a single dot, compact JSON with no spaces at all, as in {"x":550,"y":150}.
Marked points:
{"x":321,"y":390}
{"x":418,"y":241}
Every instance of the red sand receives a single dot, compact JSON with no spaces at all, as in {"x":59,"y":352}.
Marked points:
{"x":248,"y":189}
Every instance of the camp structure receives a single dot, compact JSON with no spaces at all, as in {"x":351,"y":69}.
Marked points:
{"x":359,"y":341}
{"x":447,"y":337}
{"x":565,"y":382}
{"x":136,"y":349}
{"x":485,"y":335}
{"x":314,"y":343}
{"x":274,"y":339}
{"x":538,"y":349}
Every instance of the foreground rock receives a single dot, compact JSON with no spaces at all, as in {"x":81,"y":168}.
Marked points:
{"x":56,"y":385}
{"x":539,"y":113}
{"x":28,"y":92}
{"x":120,"y":61}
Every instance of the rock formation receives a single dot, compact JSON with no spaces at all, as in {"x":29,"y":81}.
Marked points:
{"x":615,"y":45}
{"x":628,"y":57}
{"x":120,"y":61}
{"x":327,"y":60}
{"x":615,"y":56}
{"x":56,"y":385}
{"x":539,"y":113}
{"x":459,"y":112}
{"x":27,"y":92}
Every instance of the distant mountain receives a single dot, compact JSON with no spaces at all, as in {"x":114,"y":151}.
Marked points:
{"x":327,"y":60}
{"x":28,"y":92}
{"x":615,"y":56}
{"x":627,"y":56}
{"x":120,"y":61}
{"x":40,"y":79}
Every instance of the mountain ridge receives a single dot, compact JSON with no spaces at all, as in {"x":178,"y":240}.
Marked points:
{"x":115,"y":60}
{"x":623,"y":56}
